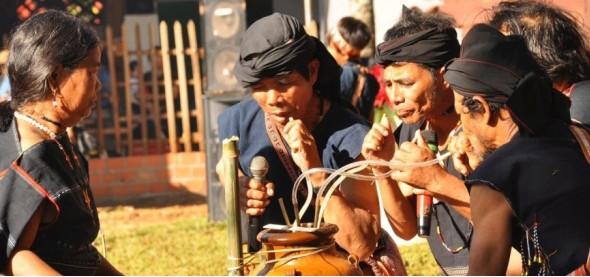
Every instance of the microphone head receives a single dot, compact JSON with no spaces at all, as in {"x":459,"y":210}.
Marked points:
{"x":430,"y":136}
{"x":259,"y":166}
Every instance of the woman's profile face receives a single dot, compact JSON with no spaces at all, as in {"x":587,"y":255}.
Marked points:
{"x":79,"y":86}
{"x":286,"y":96}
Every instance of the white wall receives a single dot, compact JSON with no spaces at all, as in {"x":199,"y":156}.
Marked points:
{"x":131,"y":20}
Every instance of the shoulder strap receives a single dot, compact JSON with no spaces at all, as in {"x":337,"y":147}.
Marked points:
{"x":583,"y":138}
{"x":279,"y":146}
{"x":360,"y":85}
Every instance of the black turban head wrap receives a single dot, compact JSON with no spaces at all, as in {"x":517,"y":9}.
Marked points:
{"x":501,"y":69}
{"x":430,"y":47}
{"x":276,"y":45}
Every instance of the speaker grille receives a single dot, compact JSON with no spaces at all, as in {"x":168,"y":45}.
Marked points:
{"x":224,"y":24}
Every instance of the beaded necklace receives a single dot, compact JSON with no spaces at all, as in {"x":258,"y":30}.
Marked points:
{"x":35,"y":123}
{"x":434,"y":209}
{"x":78,"y":171}
{"x":442,"y":239}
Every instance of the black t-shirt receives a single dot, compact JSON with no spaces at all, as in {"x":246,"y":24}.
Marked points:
{"x":455,"y":229}
{"x":545,"y":180}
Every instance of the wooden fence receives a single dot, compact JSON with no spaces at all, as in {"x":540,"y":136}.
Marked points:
{"x":156,"y":145}
{"x":165,"y":115}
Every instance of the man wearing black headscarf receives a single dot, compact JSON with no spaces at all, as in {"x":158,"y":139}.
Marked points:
{"x":413,"y":54}
{"x":297,"y":121}
{"x":529,"y":188}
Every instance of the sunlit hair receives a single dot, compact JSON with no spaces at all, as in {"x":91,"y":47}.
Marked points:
{"x":553,"y":35}
{"x":40,"y":44}
{"x":476,"y":107}
{"x":355,"y":32}
{"x":414,"y":21}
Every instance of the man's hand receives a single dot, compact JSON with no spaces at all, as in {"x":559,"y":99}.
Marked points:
{"x":254,"y":196}
{"x":302,"y":144}
{"x":379,"y":143}
{"x":418,"y":177}
{"x":463,"y":154}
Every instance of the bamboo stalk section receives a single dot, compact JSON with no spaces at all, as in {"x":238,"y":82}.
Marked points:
{"x":232,"y":203}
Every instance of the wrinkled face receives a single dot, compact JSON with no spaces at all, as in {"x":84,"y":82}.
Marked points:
{"x":412,"y":89}
{"x":475,"y":129}
{"x":286,"y":96}
{"x":79,"y":86}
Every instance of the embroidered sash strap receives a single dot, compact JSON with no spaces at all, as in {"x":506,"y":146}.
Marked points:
{"x":360,"y":85}
{"x":279,"y":145}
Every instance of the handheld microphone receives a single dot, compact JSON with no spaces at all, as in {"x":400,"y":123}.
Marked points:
{"x":424,"y":201}
{"x":258,"y":168}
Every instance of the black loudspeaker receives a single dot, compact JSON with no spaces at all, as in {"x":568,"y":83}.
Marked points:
{"x":224,"y":23}
{"x":139,"y":6}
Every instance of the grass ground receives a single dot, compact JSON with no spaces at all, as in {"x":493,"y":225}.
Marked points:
{"x":177,"y":239}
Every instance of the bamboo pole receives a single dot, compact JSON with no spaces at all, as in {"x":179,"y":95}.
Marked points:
{"x":232,"y":203}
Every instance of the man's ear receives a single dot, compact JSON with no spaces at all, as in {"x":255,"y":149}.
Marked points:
{"x":440,"y":78}
{"x":485,"y":115}
{"x":313,"y":68}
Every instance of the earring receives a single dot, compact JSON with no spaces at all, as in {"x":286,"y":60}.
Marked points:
{"x":54,"y":98}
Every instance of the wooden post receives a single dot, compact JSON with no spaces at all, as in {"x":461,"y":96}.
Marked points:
{"x":127,"y":74}
{"x":141,"y":91}
{"x":232,"y":202}
{"x":182,"y":83}
{"x":155,"y":85}
{"x":171,"y":113}
{"x":198,"y":88}
{"x":114,"y":88}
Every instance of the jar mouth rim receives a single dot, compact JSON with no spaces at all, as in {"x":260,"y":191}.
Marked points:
{"x":322,"y":236}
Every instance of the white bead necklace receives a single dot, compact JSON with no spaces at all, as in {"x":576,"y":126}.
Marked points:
{"x":36,"y":124}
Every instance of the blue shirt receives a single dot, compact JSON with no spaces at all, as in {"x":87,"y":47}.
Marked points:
{"x":4,"y":86}
{"x":348,"y":82}
{"x":338,"y":137}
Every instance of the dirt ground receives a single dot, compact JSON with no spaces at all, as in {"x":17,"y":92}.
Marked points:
{"x":147,"y":210}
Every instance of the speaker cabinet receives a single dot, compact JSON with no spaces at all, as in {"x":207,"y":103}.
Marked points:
{"x":224,"y":23}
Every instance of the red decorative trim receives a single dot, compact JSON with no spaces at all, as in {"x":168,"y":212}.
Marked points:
{"x":40,"y":189}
